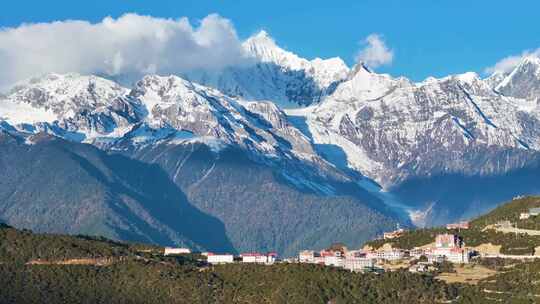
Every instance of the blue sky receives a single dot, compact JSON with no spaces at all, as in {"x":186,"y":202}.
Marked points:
{"x":428,"y":37}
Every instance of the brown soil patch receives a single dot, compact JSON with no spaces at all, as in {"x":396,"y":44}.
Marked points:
{"x":488,"y":248}
{"x":469,"y":274}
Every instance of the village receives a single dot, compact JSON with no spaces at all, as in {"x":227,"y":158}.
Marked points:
{"x":447,"y":247}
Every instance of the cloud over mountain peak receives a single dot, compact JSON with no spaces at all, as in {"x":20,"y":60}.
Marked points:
{"x":130,"y":44}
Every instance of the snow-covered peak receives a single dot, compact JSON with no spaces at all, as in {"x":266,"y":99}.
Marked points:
{"x":173,"y":103}
{"x":173,"y":100}
{"x":324,"y":72}
{"x":468,"y":77}
{"x":531,"y":59}
{"x":328,"y":71}
{"x":66,"y":94}
{"x":472,"y":83}
{"x":163,"y":85}
{"x":259,"y":41}
{"x":263,"y":47}
{"x":495,"y":79}
{"x":524,"y":80}
{"x":364,"y":85}
{"x":277,"y":75}
{"x":361,"y":68}
{"x":72,"y":106}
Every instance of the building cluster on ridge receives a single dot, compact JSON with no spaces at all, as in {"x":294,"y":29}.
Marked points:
{"x":447,"y":247}
{"x":226,"y":258}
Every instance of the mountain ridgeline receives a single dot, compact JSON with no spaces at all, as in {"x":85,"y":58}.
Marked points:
{"x":284,"y":154}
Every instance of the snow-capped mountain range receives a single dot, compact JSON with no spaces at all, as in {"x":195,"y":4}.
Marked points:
{"x":329,"y":120}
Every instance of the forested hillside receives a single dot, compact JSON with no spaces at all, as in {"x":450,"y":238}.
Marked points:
{"x":483,"y":230}
{"x":133,"y":276}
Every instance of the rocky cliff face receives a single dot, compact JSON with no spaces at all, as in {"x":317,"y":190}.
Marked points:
{"x":457,"y":124}
{"x":524,"y":81}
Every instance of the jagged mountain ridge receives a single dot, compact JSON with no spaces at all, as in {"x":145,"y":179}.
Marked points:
{"x":160,"y":109}
{"x":409,"y":130}
{"x":252,"y":149}
{"x":359,"y":126}
{"x":523,"y":81}
{"x":277,"y":75}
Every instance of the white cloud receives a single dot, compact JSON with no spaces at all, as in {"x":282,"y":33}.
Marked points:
{"x":130,"y":44}
{"x":507,"y":64}
{"x":375,"y":52}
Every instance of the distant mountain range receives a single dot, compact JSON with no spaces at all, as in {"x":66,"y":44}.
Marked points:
{"x":281,"y":154}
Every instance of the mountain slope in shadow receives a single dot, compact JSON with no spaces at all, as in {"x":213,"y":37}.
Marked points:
{"x":56,"y":186}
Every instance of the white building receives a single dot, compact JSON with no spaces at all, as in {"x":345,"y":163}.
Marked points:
{"x":272,"y":257}
{"x":172,"y":251}
{"x":417,"y":252}
{"x":450,"y":247}
{"x":358,"y":264}
{"x":390,"y":255}
{"x":254,"y":257}
{"x":307,"y":256}
{"x":534,"y":211}
{"x":435,"y":258}
{"x":332,"y":260}
{"x":448,"y":241}
{"x":355,"y":254}
{"x":454,"y":255}
{"x":220,"y":258}
{"x":524,"y":216}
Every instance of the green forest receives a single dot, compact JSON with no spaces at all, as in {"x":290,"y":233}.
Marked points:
{"x":38,"y":268}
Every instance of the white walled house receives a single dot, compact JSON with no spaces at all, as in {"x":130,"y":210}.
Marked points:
{"x":272,"y":257}
{"x":310,"y":256}
{"x":418,"y":252}
{"x":172,"y":251}
{"x":453,"y":255}
{"x":358,"y":264}
{"x":534,"y":211}
{"x":390,"y":255}
{"x":450,"y":246}
{"x":336,"y":261}
{"x":220,"y":258}
{"x":306,"y":256}
{"x":333,"y":258}
{"x":255,"y":257}
{"x":524,"y":216}
{"x":435,"y":258}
